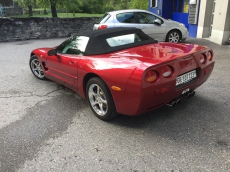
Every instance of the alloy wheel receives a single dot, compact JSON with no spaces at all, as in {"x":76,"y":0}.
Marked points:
{"x":97,"y":99}
{"x":174,"y":37}
{"x":36,"y":68}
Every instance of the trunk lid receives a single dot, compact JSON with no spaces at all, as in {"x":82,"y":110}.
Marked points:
{"x":153,"y":54}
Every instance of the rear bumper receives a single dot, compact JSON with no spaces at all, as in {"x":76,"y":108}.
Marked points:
{"x":149,"y":100}
{"x":184,"y":35}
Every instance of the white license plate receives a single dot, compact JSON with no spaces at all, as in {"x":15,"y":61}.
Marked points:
{"x":186,"y":77}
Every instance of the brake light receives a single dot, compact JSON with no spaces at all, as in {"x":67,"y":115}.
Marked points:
{"x":166,"y":71}
{"x":151,"y":76}
{"x":209,"y":55}
{"x":202,"y":59}
{"x":102,"y":27}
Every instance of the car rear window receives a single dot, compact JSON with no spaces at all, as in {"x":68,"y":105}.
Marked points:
{"x":104,"y":18}
{"x":126,"y":39}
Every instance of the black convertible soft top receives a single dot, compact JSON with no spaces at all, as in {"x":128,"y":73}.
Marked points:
{"x":98,"y":45}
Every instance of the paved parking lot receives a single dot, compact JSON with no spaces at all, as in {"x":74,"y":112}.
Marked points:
{"x":46,"y":127}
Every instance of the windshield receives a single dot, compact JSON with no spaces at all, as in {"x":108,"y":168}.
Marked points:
{"x":73,"y":45}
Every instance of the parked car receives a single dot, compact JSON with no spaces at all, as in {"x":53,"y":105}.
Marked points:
{"x":123,"y":70}
{"x":152,"y":24}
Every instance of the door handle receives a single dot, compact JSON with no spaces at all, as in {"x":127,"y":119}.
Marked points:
{"x":72,"y":62}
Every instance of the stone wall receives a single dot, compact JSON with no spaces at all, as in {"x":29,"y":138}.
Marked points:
{"x":42,"y":28}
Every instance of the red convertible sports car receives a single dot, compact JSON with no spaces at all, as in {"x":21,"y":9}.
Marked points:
{"x":123,"y":70}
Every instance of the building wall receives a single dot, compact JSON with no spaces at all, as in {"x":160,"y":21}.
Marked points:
{"x":205,"y":17}
{"x":220,"y":31}
{"x":221,"y":22}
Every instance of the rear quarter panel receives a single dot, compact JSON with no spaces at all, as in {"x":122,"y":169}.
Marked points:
{"x":115,"y":71}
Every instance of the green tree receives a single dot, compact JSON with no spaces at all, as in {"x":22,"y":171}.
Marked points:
{"x":43,"y":4}
{"x":71,"y":6}
{"x":94,"y":6}
{"x":140,"y":4}
{"x":26,"y":3}
{"x":125,"y":4}
{"x":52,"y":4}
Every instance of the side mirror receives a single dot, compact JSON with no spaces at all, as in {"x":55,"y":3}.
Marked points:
{"x":157,"y":22}
{"x":52,"y":52}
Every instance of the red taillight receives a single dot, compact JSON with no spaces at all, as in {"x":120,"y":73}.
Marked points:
{"x":151,"y":76}
{"x":202,"y":59}
{"x":166,"y":71}
{"x":162,"y":90}
{"x":102,"y":27}
{"x":209,"y":56}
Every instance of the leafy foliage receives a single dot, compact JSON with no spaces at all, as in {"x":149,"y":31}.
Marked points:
{"x":27,"y":3}
{"x":140,"y":4}
{"x":85,"y":6}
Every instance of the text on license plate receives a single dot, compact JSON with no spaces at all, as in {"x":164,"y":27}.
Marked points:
{"x":186,"y":77}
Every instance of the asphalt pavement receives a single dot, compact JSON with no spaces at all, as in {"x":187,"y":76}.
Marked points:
{"x":45,"y":127}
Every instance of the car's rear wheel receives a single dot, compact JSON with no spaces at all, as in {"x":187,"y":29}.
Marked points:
{"x":100,"y":99}
{"x":173,"y":36}
{"x":36,"y":68}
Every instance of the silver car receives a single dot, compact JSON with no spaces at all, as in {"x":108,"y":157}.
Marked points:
{"x":152,"y":24}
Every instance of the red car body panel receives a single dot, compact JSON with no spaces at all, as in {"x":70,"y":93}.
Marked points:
{"x":126,"y":69}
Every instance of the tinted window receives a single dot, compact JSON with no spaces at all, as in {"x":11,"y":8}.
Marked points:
{"x":126,"y":18}
{"x":147,"y":18}
{"x":153,"y":3}
{"x":103,"y":19}
{"x":126,"y":39}
{"x":74,"y":45}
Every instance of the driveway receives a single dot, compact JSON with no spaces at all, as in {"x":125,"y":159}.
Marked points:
{"x":46,"y":127}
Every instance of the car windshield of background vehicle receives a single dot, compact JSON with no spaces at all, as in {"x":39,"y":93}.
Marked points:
{"x":126,"y":39}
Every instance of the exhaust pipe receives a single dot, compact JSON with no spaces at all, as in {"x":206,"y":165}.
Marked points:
{"x":189,"y":94}
{"x":177,"y":101}
{"x":192,"y":94}
{"x":173,"y":103}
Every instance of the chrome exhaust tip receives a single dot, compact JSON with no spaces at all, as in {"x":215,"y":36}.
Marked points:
{"x":189,"y":94}
{"x":171,"y":103}
{"x":177,"y":101}
{"x":192,"y":94}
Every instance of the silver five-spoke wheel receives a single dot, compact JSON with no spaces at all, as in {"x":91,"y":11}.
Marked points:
{"x":100,"y":99}
{"x":36,"y":68}
{"x":97,"y":99}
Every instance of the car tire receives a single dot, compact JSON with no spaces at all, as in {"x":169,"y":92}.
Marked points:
{"x":173,"y":36}
{"x":100,"y":99}
{"x":35,"y":67}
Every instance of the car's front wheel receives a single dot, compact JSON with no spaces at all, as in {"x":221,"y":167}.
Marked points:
{"x":36,"y":68}
{"x":100,"y":99}
{"x":173,"y":36}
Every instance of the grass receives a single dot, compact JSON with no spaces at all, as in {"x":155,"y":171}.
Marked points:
{"x":60,"y":15}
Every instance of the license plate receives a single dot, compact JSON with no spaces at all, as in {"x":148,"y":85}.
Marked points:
{"x":186,"y":77}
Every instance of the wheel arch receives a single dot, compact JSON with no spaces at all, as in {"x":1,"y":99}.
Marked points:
{"x":32,"y":54}
{"x":86,"y":78}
